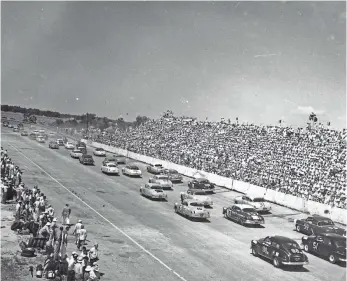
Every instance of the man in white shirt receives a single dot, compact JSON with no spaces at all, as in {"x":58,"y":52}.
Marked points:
{"x":82,"y":237}
{"x":93,"y":254}
{"x":76,"y":231}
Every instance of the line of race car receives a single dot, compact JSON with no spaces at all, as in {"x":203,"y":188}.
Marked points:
{"x":323,"y":238}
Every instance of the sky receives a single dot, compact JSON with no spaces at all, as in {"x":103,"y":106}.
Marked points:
{"x":258,"y":61}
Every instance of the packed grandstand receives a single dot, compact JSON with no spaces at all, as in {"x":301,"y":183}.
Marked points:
{"x":306,"y":162}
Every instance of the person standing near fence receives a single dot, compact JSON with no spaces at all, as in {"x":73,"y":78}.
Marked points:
{"x":66,"y":214}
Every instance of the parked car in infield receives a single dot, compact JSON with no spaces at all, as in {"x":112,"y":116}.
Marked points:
{"x":153,"y":191}
{"x":132,"y":171}
{"x":326,"y":245}
{"x":316,"y":224}
{"x":40,"y":139}
{"x":24,"y":133}
{"x":120,"y":159}
{"x":99,"y":152}
{"x":192,"y":209}
{"x":203,"y":184}
{"x":173,"y":175}
{"x":86,"y":159}
{"x":197,"y":195}
{"x":60,"y":142}
{"x":69,"y":145}
{"x":257,"y":202}
{"x":76,"y":153}
{"x":110,"y":168}
{"x":155,"y":168}
{"x":243,"y":214}
{"x":53,"y":145}
{"x":282,"y":251}
{"x":162,"y":180}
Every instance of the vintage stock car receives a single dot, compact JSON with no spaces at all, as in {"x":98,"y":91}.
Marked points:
{"x":120,"y":159}
{"x":257,"y":202}
{"x":315,"y":224}
{"x":243,"y":214}
{"x":162,"y":180}
{"x":192,"y":209}
{"x":280,"y":250}
{"x":153,"y":191}
{"x":326,"y":245}
{"x":99,"y":152}
{"x":53,"y":145}
{"x":173,"y":175}
{"x":24,"y":133}
{"x":86,"y":159}
{"x":69,"y":145}
{"x":132,"y":171}
{"x":76,"y":153}
{"x":197,"y":195}
{"x":155,"y":169}
{"x":202,"y":184}
{"x":110,"y":168}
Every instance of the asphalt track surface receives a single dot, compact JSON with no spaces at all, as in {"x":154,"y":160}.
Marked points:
{"x":145,"y":240}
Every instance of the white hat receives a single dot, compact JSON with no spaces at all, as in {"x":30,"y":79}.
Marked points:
{"x":74,"y":253}
{"x":79,"y":220}
{"x":88,"y":268}
{"x":55,"y":219}
{"x":48,"y":223}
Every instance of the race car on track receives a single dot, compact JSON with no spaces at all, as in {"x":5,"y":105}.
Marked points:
{"x":155,"y":168}
{"x":192,"y":209}
{"x":197,"y":195}
{"x":132,"y":171}
{"x":51,"y":134}
{"x":32,"y":136}
{"x":99,"y":152}
{"x":76,"y":153}
{"x":120,"y":159}
{"x":24,"y":133}
{"x":69,"y":145}
{"x":280,"y":250}
{"x":53,"y":145}
{"x":80,"y":143}
{"x":111,"y":159}
{"x":86,"y":159}
{"x":243,"y":214}
{"x":153,"y":191}
{"x":5,"y":123}
{"x":162,"y":180}
{"x":173,"y":175}
{"x":40,"y":139}
{"x":60,"y":142}
{"x":16,"y":129}
{"x":326,"y":245}
{"x":203,"y":184}
{"x":257,"y":202}
{"x":110,"y":168}
{"x":314,"y":225}
{"x":10,"y":125}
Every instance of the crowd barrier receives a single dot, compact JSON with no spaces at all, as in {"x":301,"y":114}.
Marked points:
{"x":287,"y":200}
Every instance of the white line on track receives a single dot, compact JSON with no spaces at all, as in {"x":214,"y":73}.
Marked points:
{"x":95,"y":211}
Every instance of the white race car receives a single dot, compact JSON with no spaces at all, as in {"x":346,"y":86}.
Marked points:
{"x":153,"y":191}
{"x":40,"y":139}
{"x":192,"y":209}
{"x":197,"y":195}
{"x":69,"y":145}
{"x":76,"y":153}
{"x":162,"y":180}
{"x":110,"y":168}
{"x":132,"y":171}
{"x":99,"y":152}
{"x":257,"y":202}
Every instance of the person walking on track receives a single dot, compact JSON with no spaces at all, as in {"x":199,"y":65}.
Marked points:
{"x":76,"y":231}
{"x":66,"y":214}
{"x":82,"y":237}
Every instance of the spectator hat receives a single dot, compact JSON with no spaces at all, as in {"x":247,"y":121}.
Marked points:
{"x":48,"y":223}
{"x":74,"y":253}
{"x":55,"y":220}
{"x":88,"y":268}
{"x":79,"y":220}
{"x":79,"y":259}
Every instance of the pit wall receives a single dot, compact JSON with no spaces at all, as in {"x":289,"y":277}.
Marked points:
{"x":290,"y":201}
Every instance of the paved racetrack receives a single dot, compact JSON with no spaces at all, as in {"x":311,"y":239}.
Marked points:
{"x":140,"y":239}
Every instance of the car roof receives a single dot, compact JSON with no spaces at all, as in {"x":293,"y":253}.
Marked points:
{"x":332,"y":235}
{"x":243,"y":206}
{"x":253,"y":196}
{"x":153,"y":184}
{"x":281,"y":239}
{"x":320,"y":218}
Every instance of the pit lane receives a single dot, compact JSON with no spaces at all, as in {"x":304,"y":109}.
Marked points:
{"x":218,"y":250}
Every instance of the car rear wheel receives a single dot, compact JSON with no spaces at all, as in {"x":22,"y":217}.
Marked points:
{"x":332,"y":258}
{"x":306,"y":249}
{"x":254,"y":252}
{"x":298,"y":228}
{"x":276,"y":262}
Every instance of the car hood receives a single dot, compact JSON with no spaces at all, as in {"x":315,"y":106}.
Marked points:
{"x":334,"y":229}
{"x":174,"y":176}
{"x":260,"y":204}
{"x":163,"y":181}
{"x":202,"y":198}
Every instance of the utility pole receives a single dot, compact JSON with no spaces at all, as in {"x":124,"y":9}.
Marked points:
{"x":87,"y":125}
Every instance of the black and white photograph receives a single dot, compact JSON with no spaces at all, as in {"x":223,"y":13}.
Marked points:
{"x":173,"y":140}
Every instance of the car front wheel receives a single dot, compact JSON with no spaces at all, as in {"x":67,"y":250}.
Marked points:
{"x":298,"y":228}
{"x":306,"y":249}
{"x":254,"y":252}
{"x":332,"y":258}
{"x":276,"y":262}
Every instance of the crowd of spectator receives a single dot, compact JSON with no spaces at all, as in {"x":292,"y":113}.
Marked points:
{"x":306,"y":162}
{"x":35,"y":218}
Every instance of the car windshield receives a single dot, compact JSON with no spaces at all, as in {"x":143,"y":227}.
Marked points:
{"x":202,"y":180}
{"x":87,"y":156}
{"x":158,"y":165}
{"x":111,"y":165}
{"x":340,"y":243}
{"x":196,"y":204}
{"x":249,"y":210}
{"x":99,"y":149}
{"x":77,"y":151}
{"x":258,"y":199}
{"x":162,"y":177}
{"x":326,"y":222}
{"x":134,"y":168}
{"x":291,"y":245}
{"x":156,"y":187}
{"x":173,"y":172}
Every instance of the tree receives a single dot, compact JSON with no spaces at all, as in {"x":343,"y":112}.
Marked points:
{"x":59,"y":122}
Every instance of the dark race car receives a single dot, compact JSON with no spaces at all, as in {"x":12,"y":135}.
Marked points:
{"x":53,"y":145}
{"x":243,"y":214}
{"x":173,"y":175}
{"x":280,"y":250}
{"x":318,"y":224}
{"x":86,"y":159}
{"x":326,"y":245}
{"x":202,"y":183}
